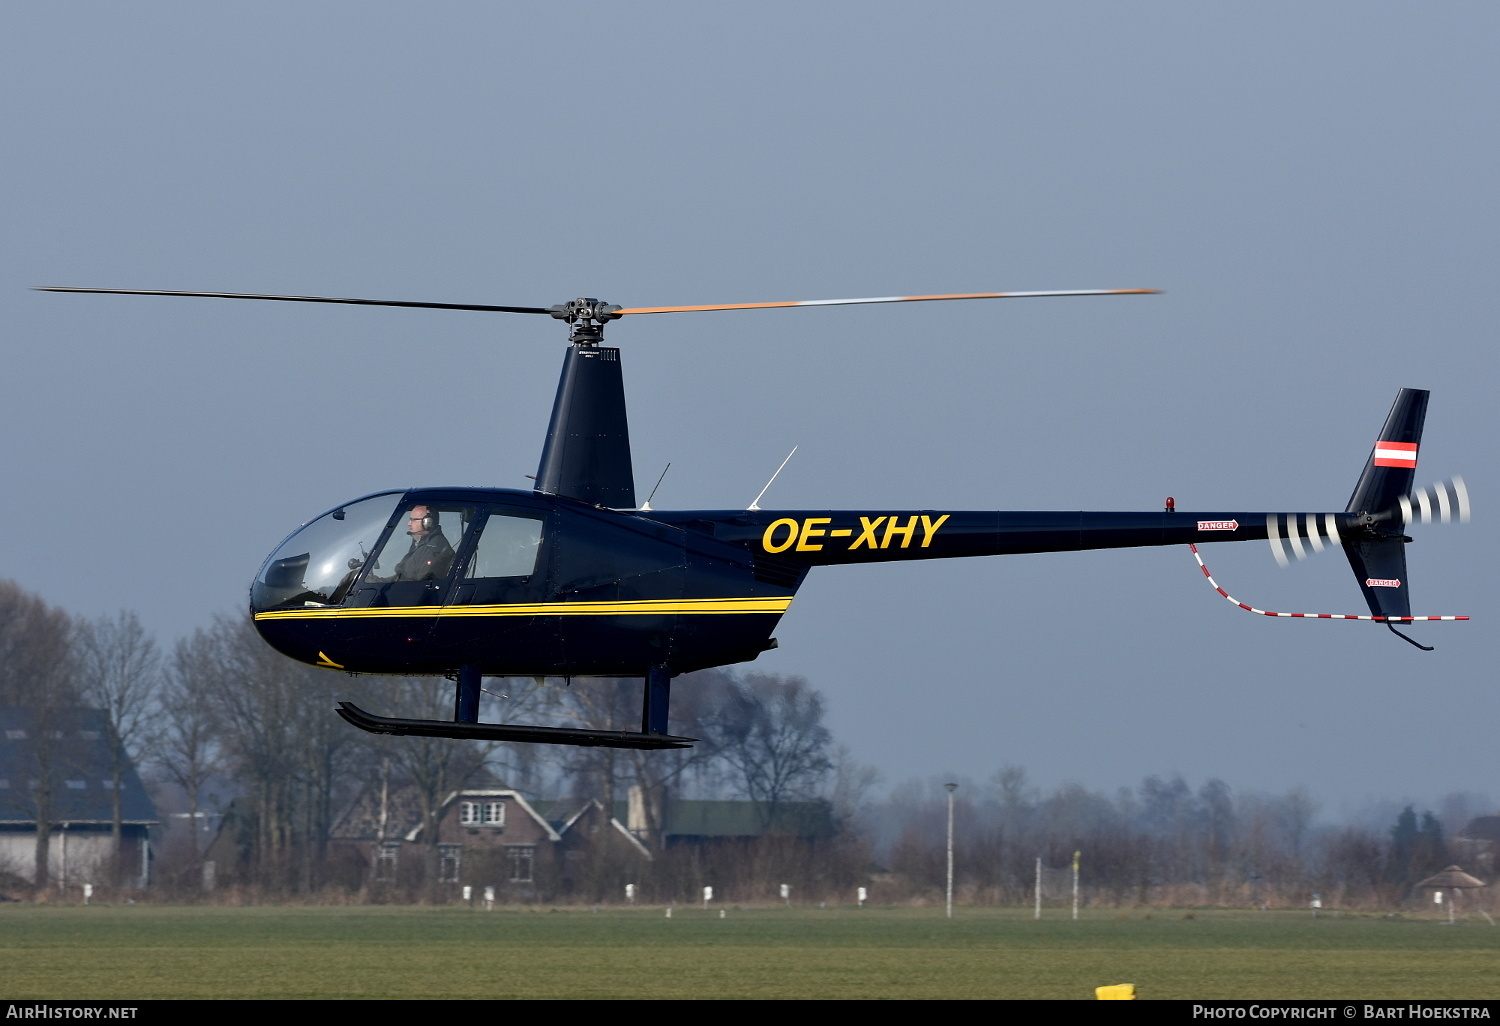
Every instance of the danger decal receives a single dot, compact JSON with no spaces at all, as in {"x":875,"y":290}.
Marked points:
{"x":1381,"y":582}
{"x":1218,"y":525}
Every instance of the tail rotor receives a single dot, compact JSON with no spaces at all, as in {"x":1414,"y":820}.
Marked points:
{"x":1444,"y":502}
{"x":1296,"y":536}
{"x":1290,"y":530}
{"x":1372,"y":529}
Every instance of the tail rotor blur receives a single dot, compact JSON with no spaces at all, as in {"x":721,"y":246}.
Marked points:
{"x":1290,"y":530}
{"x":1296,"y":536}
{"x":1444,"y":502}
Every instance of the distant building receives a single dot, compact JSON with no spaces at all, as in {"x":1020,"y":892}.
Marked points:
{"x":67,"y":752}
{"x":1479,"y":843}
{"x":486,"y":837}
{"x":531,"y":848}
{"x":689,"y":821}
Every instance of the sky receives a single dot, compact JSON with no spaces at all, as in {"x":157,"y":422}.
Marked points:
{"x":1311,"y":184}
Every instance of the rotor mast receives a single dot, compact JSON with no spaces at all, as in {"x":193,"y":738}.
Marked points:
{"x":587,"y":452}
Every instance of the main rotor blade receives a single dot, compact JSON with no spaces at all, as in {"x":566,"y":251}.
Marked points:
{"x":887,"y":299}
{"x":302,"y":299}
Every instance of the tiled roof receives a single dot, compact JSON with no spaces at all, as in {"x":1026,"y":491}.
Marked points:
{"x":559,"y":812}
{"x":69,"y":745}
{"x":361,"y":820}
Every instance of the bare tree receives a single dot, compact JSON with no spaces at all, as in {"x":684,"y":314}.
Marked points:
{"x":771,"y":732}
{"x":185,"y":743}
{"x":1298,"y":808}
{"x":118,"y":672}
{"x":853,"y":782}
{"x":34,"y":649}
{"x":528,"y":768}
{"x":256,"y":708}
{"x":284,"y":743}
{"x":1220,"y":826}
{"x":34,"y":656}
{"x":327,"y":753}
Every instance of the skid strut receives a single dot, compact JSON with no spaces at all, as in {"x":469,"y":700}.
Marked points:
{"x":466,"y":695}
{"x":465,"y":724}
{"x":654,"y":699}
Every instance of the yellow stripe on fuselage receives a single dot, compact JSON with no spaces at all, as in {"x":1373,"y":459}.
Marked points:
{"x":637,"y":607}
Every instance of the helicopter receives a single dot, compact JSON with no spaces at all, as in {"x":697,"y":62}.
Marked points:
{"x":575,"y":579}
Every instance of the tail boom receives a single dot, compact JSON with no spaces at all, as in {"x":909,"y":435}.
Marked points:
{"x":835,"y":537}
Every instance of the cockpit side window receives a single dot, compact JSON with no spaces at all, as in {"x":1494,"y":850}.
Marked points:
{"x":422,"y":545}
{"x":507,"y":547}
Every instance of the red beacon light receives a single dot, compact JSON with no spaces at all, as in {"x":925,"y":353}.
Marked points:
{"x":1171,"y":504}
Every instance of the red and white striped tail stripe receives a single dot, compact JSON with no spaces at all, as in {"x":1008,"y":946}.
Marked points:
{"x":1309,"y":616}
{"x":1396,"y":454}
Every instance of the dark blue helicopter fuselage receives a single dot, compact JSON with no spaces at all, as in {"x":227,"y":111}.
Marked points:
{"x":613,"y":593}
{"x":609,"y":594}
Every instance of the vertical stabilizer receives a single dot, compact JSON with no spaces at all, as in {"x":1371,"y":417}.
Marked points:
{"x":1392,"y":466}
{"x":1377,"y":551}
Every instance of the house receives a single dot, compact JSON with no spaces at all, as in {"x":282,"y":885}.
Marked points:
{"x":492,"y":837}
{"x":59,"y":766}
{"x":530,"y":848}
{"x":486,"y":837}
{"x":581,"y":823}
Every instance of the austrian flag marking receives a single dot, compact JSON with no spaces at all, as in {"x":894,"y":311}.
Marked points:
{"x":1396,"y":454}
{"x":1218,"y":525}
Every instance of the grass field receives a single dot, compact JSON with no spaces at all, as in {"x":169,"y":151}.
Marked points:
{"x":152,"y":951}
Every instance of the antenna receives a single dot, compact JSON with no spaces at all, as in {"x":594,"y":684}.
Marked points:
{"x":646,"y":506}
{"x":755,"y":505}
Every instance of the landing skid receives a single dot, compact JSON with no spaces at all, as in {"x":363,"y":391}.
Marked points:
{"x":508,"y":732}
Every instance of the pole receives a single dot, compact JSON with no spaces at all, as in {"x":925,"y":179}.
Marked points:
{"x":1038,"y":887}
{"x":951,"y":788}
{"x":1076,"y":854}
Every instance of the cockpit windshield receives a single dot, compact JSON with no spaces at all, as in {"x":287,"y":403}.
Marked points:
{"x":317,"y":564}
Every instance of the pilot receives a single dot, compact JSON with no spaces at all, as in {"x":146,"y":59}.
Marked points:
{"x":430,"y":556}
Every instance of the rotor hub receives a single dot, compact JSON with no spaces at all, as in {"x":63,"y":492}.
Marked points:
{"x":587,"y":316}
